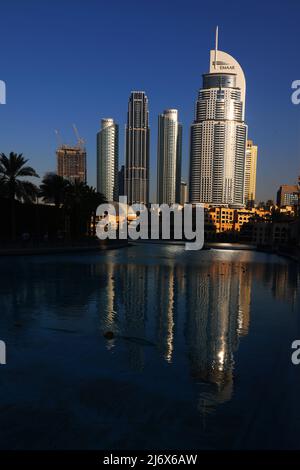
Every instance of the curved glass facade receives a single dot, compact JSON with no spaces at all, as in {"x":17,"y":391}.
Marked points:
{"x":218,"y":142}
{"x":215,"y":80}
{"x":107,"y":159}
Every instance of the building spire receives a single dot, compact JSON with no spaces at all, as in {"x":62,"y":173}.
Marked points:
{"x":216,"y":46}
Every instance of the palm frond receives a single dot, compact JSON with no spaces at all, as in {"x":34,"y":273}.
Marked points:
{"x":27,"y":171}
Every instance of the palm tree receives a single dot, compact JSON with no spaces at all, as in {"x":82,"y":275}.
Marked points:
{"x":12,"y":169}
{"x":53,"y":189}
{"x":74,"y":206}
{"x":81,"y":202}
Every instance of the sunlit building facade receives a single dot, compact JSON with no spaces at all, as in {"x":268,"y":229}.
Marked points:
{"x":250,"y":173}
{"x":219,"y":135}
{"x":169,"y":157}
{"x":107,"y":159}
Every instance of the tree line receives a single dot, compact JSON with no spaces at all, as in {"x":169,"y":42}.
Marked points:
{"x":71,"y":205}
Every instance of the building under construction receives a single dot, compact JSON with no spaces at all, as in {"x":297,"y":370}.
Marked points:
{"x":71,"y":160}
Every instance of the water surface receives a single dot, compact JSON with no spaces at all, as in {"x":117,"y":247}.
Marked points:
{"x":201,"y":356}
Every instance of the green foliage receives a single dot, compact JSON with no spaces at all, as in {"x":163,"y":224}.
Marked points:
{"x":12,"y":171}
{"x":75,"y":202}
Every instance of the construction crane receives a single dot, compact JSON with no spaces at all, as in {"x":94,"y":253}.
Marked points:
{"x":58,"y":137}
{"x":80,"y":140}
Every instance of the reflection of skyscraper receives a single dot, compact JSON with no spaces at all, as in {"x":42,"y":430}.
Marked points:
{"x":137,"y":149}
{"x":215,"y":318}
{"x":107,"y":159}
{"x":169,"y":157}
{"x":244,"y":301}
{"x":250,"y":173}
{"x":219,"y":134}
{"x":166,"y":305}
{"x":108,"y":317}
{"x":110,"y":291}
{"x":134,"y":281}
{"x":284,"y":282}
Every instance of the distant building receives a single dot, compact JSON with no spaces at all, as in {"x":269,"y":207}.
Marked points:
{"x":287,"y":195}
{"x":137,"y":149}
{"x":250,"y":174}
{"x":184,"y":197}
{"x":169,"y":157}
{"x":71,"y":162}
{"x":121,"y":180}
{"x":107,"y":159}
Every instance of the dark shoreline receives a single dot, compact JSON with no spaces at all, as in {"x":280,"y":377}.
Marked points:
{"x":49,"y":250}
{"x":116,"y":244}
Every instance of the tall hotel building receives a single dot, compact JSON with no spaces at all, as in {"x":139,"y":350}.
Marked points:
{"x":137,"y":149}
{"x":107,"y":159}
{"x":250,"y":173}
{"x":169,"y":157}
{"x":219,"y":134}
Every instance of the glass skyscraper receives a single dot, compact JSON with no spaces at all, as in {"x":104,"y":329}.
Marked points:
{"x":107,"y":159}
{"x":169,"y":157}
{"x":219,"y":135}
{"x":137,"y":149}
{"x":250,"y":174}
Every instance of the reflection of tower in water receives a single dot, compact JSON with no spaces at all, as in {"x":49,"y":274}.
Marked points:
{"x":215,"y":310}
{"x":166,"y":297}
{"x":109,"y":319}
{"x":134,"y":279}
{"x":244,"y":302}
{"x":282,"y":278}
{"x":110,"y":292}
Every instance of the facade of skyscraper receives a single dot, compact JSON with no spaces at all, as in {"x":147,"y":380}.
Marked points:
{"x":169,"y":157}
{"x":219,"y":135}
{"x":107,"y":159}
{"x":137,"y":149}
{"x":71,"y":162}
{"x":121,"y":177}
{"x":250,"y":173}
{"x":184,"y":198}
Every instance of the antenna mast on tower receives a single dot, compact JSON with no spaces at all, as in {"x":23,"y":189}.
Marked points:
{"x":216,"y":46}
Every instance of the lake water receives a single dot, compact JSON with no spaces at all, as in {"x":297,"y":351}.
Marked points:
{"x":201,"y":357}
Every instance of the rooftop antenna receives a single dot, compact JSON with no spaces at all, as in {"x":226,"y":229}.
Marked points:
{"x":216,"y":46}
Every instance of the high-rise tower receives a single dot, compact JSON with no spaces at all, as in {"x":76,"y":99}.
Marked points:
{"x":137,"y":149}
{"x":219,"y":134}
{"x":107,"y":159}
{"x":250,"y":173}
{"x":169,"y":157}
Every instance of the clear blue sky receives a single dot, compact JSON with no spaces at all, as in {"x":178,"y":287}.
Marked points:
{"x":72,"y":61}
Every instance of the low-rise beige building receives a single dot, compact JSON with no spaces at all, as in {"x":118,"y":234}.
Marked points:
{"x":224,"y":219}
